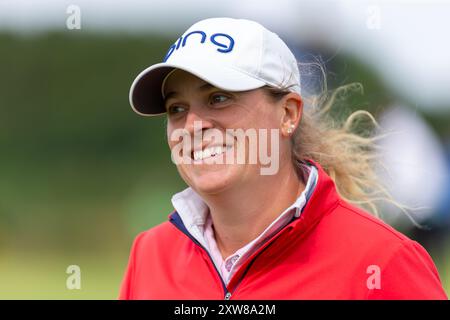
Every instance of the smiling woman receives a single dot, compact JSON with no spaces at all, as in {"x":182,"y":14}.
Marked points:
{"x":297,"y":231}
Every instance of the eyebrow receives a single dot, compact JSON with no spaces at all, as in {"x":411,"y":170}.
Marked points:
{"x":203,"y":87}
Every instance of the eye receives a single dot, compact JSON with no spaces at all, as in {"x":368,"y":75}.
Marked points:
{"x":218,"y":98}
{"x":174,"y":109}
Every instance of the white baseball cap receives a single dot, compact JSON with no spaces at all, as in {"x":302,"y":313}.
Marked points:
{"x":231,"y":54}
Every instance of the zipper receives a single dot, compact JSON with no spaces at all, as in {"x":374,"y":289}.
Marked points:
{"x":182,"y":228}
{"x":252,"y":258}
{"x":227,"y":295}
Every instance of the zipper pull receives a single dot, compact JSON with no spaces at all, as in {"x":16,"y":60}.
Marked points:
{"x":227,"y":296}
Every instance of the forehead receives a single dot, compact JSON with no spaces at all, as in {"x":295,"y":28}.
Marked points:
{"x":180,"y":78}
{"x":179,"y":82}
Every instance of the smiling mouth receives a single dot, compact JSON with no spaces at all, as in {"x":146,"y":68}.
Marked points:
{"x":209,"y":152}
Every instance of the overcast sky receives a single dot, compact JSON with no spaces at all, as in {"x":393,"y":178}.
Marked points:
{"x":406,"y":42}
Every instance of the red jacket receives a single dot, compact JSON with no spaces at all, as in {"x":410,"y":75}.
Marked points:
{"x":332,"y":251}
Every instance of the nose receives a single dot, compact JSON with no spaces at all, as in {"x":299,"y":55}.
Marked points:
{"x":196,"y":122}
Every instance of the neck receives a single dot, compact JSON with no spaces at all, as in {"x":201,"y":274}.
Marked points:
{"x":240,"y":215}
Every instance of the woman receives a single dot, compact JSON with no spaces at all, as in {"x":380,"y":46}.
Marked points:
{"x":250,"y":225}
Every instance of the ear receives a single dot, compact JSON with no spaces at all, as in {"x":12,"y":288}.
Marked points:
{"x":292,"y":113}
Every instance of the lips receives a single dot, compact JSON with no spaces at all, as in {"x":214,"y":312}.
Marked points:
{"x":210,"y":151}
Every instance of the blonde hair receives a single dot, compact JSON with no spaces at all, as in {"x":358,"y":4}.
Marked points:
{"x":344,"y":147}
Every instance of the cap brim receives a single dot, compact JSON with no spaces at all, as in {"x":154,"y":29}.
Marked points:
{"x":145,"y":92}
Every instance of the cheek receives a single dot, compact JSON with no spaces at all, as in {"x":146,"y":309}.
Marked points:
{"x":263,"y":116}
{"x":172,"y":142}
{"x":172,"y":135}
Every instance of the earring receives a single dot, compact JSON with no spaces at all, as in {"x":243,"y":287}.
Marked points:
{"x":290,"y":129}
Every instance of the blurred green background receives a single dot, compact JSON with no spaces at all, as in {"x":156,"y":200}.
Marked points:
{"x":80,"y":173}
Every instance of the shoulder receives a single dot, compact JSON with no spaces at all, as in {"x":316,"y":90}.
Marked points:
{"x":162,"y":233}
{"x":359,"y":223}
{"x":407,"y":270}
{"x":351,"y":231}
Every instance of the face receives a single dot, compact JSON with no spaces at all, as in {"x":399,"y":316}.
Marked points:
{"x":201,"y":111}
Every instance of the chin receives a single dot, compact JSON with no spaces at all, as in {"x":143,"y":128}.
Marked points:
{"x":212,"y":179}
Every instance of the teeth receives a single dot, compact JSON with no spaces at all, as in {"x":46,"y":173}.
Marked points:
{"x":210,"y":152}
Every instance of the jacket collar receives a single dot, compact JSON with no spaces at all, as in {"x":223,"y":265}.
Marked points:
{"x":323,"y":200}
{"x":192,"y":211}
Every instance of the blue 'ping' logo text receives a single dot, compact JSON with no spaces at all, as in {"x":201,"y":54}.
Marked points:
{"x":224,"y":42}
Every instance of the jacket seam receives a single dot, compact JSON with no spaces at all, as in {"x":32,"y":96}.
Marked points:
{"x":379,"y":223}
